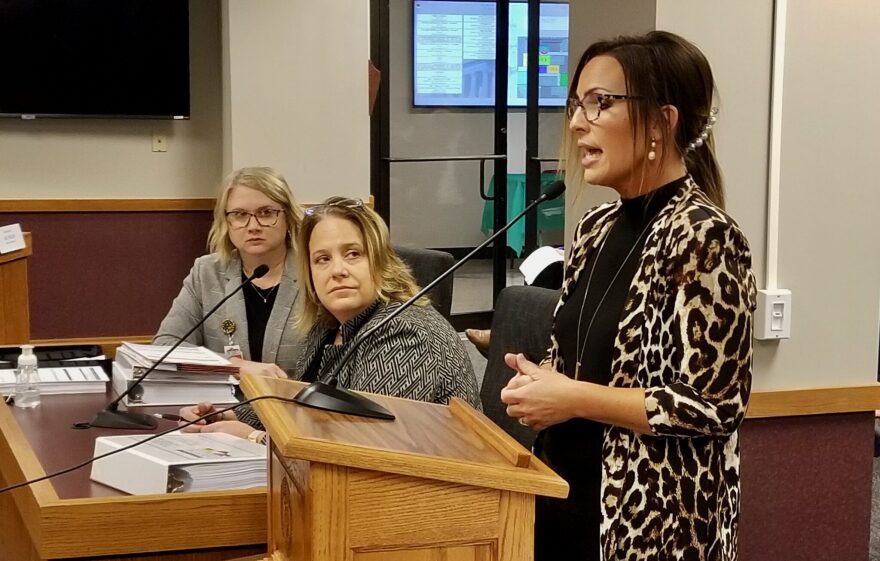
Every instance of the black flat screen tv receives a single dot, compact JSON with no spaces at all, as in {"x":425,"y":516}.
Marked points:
{"x":94,"y":58}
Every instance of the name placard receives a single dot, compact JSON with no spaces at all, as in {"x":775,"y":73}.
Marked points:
{"x":11,"y":238}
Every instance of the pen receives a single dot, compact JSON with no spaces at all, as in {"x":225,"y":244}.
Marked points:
{"x":168,"y":416}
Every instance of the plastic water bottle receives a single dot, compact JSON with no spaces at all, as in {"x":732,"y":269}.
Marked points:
{"x":27,"y":381}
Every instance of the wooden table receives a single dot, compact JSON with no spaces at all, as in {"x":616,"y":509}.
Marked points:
{"x":72,"y":517}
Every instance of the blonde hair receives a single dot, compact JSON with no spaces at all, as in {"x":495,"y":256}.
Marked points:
{"x":393,"y":279}
{"x":268,"y":182}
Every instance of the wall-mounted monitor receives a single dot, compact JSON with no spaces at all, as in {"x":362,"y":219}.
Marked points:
{"x":454,"y":54}
{"x":94,"y":58}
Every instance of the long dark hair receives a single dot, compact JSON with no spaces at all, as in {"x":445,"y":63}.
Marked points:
{"x":662,"y":68}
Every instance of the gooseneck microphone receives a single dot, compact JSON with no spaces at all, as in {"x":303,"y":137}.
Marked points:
{"x":324,"y":393}
{"x":111,"y":417}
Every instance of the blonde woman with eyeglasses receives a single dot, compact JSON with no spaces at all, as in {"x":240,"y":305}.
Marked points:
{"x":256,"y":222}
{"x":352,"y":280}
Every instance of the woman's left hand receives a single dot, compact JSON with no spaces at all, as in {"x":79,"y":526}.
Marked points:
{"x":235,"y":428}
{"x":258,"y":368}
{"x":537,"y":396}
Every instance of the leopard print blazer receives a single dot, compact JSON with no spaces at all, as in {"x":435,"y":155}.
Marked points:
{"x":685,"y":336}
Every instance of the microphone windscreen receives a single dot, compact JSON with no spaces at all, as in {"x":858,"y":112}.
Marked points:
{"x":261,"y":270}
{"x":555,"y":189}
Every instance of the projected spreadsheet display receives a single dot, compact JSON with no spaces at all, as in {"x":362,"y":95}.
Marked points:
{"x":454,"y":54}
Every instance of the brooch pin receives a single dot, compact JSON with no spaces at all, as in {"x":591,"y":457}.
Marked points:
{"x":231,"y":350}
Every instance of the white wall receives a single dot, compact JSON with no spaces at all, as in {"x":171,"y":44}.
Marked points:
{"x":828,"y":249}
{"x":113,"y":158}
{"x":828,"y":241}
{"x":295,"y":93}
{"x":438,"y":204}
{"x":740,"y":53}
{"x":290,"y":91}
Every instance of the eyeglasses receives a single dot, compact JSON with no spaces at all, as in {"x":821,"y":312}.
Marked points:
{"x":593,"y":104}
{"x":335,"y":201}
{"x":265,"y":217}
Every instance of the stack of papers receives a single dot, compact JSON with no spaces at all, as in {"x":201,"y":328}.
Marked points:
{"x":217,"y":477}
{"x":180,"y":462}
{"x":188,"y":375}
{"x":189,"y":360}
{"x":61,"y":380}
{"x":156,"y":391}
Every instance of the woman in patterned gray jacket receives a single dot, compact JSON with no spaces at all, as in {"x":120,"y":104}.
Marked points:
{"x":355,"y":280}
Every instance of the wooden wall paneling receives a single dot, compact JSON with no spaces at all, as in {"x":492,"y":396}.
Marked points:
{"x":15,"y":326}
{"x":813,"y":401}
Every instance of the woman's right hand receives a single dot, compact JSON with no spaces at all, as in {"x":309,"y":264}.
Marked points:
{"x":193,"y":412}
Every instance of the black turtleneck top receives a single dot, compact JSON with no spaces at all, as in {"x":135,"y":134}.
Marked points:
{"x":585,"y":328}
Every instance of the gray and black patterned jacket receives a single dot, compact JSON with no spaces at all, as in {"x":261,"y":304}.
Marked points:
{"x":418,"y":355}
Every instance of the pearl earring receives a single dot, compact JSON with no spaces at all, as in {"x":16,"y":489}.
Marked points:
{"x":652,"y":154}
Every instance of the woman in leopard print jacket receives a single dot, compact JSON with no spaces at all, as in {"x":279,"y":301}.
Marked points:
{"x":647,"y":380}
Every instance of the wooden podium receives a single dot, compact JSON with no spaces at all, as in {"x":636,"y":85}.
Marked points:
{"x":437,"y":484}
{"x":15,"y":328}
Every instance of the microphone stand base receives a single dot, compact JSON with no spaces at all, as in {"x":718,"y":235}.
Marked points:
{"x":332,"y":398}
{"x":129,"y":420}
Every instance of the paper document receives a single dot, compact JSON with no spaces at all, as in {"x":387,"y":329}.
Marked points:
{"x":180,"y":462}
{"x":190,"y":359}
{"x":82,"y":358}
{"x":11,"y":238}
{"x":161,"y":390}
{"x":539,"y":260}
{"x":73,"y":379}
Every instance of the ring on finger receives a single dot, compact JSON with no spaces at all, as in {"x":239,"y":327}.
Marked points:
{"x":523,"y":422}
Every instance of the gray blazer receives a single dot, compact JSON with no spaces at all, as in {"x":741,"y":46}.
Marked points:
{"x":207,"y":283}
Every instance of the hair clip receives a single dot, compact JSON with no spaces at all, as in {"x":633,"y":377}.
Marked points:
{"x":704,"y":132}
{"x":341,"y":202}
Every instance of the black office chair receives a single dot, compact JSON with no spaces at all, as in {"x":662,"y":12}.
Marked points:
{"x":521,"y":324}
{"x":426,"y":265}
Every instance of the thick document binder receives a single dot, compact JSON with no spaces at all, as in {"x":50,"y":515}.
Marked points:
{"x":180,"y":462}
{"x":163,"y":391}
